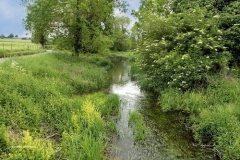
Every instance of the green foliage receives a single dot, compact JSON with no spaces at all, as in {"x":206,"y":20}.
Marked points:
{"x":76,"y":25}
{"x":32,"y":148}
{"x":10,"y":53}
{"x":181,"y":50}
{"x":39,"y":99}
{"x":214,"y":113}
{"x":139,"y":129}
{"x":4,"y":139}
{"x":120,"y":34}
{"x":183,"y":47}
{"x":220,"y":126}
{"x":228,"y":12}
{"x":230,"y":23}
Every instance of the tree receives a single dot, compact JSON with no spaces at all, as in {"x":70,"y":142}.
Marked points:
{"x":40,"y":19}
{"x":77,"y":25}
{"x":16,"y":36}
{"x":2,"y":36}
{"x":121,"y":41}
{"x":11,"y":35}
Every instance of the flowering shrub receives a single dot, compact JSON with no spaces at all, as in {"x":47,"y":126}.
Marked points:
{"x":181,"y":50}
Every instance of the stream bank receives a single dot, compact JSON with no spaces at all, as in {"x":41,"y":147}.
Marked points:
{"x":167,"y":138}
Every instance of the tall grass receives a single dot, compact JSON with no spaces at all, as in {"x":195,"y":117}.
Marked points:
{"x":47,"y":115}
{"x":138,"y":126}
{"x":215,"y":114}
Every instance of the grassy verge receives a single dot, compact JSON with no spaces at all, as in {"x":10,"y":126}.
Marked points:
{"x":19,"y":52}
{"x":45,"y":112}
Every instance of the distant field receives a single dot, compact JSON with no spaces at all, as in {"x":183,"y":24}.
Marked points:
{"x":17,"y":44}
{"x":17,"y":47}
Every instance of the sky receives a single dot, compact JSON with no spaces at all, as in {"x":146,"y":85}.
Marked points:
{"x":12,"y":14}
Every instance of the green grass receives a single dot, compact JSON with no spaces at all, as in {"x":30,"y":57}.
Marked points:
{"x":137,"y":124}
{"x":48,"y":109}
{"x":17,"y":47}
{"x":17,"y":44}
{"x":215,"y":114}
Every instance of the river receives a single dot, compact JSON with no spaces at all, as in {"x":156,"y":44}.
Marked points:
{"x":167,"y":137}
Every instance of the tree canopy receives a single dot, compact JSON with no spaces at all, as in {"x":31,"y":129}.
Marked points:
{"x":78,"y":25}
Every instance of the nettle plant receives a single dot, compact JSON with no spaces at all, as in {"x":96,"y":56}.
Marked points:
{"x":181,"y":50}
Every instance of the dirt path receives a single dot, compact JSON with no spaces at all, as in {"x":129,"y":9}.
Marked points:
{"x":33,"y":55}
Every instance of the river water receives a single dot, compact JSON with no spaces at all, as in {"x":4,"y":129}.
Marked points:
{"x":167,"y":138}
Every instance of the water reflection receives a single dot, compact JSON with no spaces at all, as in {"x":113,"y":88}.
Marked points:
{"x":130,"y":96}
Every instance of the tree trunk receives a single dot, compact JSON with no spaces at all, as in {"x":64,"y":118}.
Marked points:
{"x":42,"y":41}
{"x":77,"y":33}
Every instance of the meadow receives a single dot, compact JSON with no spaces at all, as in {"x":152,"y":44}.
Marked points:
{"x":53,"y":106}
{"x":15,"y":47}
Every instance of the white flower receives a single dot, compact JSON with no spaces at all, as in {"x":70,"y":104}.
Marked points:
{"x":216,"y":16}
{"x":200,"y":42}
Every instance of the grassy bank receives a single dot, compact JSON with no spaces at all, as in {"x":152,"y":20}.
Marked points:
{"x":45,"y":112}
{"x":214,"y":115}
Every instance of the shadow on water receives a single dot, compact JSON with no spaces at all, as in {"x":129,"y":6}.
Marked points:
{"x":167,"y":138}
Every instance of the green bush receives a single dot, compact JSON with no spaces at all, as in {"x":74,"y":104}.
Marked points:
{"x":182,"y":54}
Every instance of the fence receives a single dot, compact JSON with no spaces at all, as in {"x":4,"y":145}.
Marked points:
{"x":23,"y":46}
